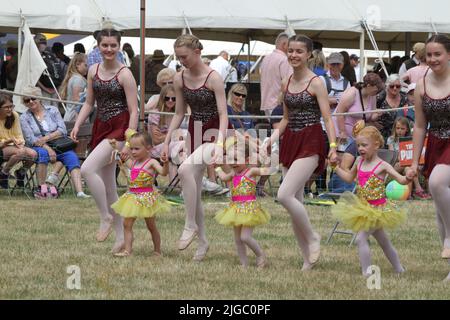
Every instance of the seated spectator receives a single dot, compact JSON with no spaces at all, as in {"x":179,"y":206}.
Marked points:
{"x":74,"y":84}
{"x":347,"y":155}
{"x":164,"y":77}
{"x":236,"y":106}
{"x":409,"y":113}
{"x":41,"y":124}
{"x":12,"y":144}
{"x":402,"y":128}
{"x":158,"y":126}
{"x":390,"y":98}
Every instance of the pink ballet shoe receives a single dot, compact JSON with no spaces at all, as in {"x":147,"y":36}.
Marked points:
{"x":201,"y":253}
{"x":261,"y":261}
{"x":445,"y":253}
{"x":186,"y":238}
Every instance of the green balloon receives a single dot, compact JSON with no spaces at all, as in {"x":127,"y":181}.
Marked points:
{"x":397,"y":191}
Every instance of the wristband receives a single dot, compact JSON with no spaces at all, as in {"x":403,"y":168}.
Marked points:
{"x":333,"y":145}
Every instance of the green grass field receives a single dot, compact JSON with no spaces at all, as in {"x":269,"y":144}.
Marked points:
{"x":40,"y":239}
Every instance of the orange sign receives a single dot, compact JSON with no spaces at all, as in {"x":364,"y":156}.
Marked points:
{"x":406,"y":152}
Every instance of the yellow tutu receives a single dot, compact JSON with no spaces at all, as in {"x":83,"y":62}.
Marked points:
{"x":358,"y":215}
{"x":247,"y":214}
{"x":141,"y":205}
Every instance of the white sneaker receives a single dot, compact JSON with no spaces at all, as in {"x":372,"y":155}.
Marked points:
{"x":82,"y":195}
{"x":220,"y":191}
{"x":52,"y":179}
{"x":210,"y":186}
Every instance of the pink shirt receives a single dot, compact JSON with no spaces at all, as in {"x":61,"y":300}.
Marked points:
{"x":274,"y":68}
{"x":416,"y":73}
{"x":350,"y":120}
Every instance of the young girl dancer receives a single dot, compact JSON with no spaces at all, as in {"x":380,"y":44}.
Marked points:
{"x":368,"y":212}
{"x":432,"y":108}
{"x":303,"y":146}
{"x":112,"y":86}
{"x":141,"y":200}
{"x":244,"y":212}
{"x":202,"y":89}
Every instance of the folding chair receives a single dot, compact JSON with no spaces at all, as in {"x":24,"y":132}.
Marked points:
{"x":84,"y":137}
{"x":390,"y":157}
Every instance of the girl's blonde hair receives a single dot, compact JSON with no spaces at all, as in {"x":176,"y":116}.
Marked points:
{"x":162,"y":103}
{"x":404,"y":121}
{"x":373,"y":134}
{"x":144,"y":138}
{"x":71,"y":70}
{"x":165,"y":74}
{"x":189,"y":41}
{"x":317,"y":59}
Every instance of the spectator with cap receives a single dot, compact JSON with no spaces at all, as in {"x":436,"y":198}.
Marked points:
{"x":152,"y":67}
{"x":274,"y":68}
{"x":354,"y":62}
{"x":10,"y":66}
{"x":50,"y":82}
{"x":414,"y":61}
{"x":334,"y":81}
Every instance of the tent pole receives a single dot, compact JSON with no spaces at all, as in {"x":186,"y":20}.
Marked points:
{"x":142,"y":69}
{"x":248,"y":60}
{"x":407,"y":43}
{"x":362,"y":59}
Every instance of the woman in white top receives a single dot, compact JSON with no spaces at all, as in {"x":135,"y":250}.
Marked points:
{"x":74,"y":84}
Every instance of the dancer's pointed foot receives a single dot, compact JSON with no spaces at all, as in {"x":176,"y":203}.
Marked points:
{"x":104,"y":231}
{"x":261,"y":261}
{"x":201,"y":252}
{"x":314,"y":250}
{"x":186,"y":238}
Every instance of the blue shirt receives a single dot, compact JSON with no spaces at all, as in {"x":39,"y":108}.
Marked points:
{"x":237,"y":123}
{"x":51,"y":122}
{"x":96,"y":57}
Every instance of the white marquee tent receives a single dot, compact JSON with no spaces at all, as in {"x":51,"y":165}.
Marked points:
{"x":334,"y":23}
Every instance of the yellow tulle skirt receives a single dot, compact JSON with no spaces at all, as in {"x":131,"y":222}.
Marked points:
{"x":358,"y":215}
{"x":246,"y":214}
{"x":141,"y":205}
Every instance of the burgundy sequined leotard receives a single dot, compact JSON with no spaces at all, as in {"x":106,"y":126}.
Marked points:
{"x":303,"y":136}
{"x":203,"y":104}
{"x":437,"y":113}
{"x":112,"y":110}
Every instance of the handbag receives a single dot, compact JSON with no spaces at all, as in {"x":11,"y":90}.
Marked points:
{"x":59,"y":145}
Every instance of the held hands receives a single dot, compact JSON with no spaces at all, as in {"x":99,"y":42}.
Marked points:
{"x":125,"y":153}
{"x":165,"y":153}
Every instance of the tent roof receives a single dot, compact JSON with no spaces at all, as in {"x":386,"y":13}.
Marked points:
{"x":235,"y":20}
